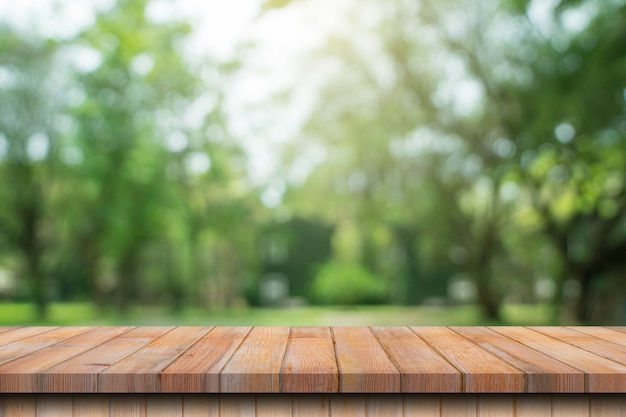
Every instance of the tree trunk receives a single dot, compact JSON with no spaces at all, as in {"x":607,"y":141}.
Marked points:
{"x":407,"y":238}
{"x":488,"y":298}
{"x":126,"y":285}
{"x":31,"y":247}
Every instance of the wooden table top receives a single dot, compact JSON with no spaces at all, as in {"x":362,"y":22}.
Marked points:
{"x":312,"y":359}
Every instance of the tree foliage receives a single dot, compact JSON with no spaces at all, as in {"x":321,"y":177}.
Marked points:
{"x":446,"y":141}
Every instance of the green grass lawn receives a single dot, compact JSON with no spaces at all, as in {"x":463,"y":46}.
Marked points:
{"x":85,"y":314}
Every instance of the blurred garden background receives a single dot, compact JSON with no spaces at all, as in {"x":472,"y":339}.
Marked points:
{"x":310,"y":162}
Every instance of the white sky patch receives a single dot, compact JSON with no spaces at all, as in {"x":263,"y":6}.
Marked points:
{"x":37,"y":147}
{"x":57,"y":19}
{"x":197,"y":163}
{"x":272,"y":196}
{"x":540,"y":13}
{"x":462,"y":94}
{"x":4,"y":146}
{"x":564,"y":132}
{"x":142,"y":64}
{"x":85,"y":59}
{"x":7,"y":77}
{"x":176,"y":141}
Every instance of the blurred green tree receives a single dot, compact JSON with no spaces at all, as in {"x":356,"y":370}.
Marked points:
{"x":29,"y":111}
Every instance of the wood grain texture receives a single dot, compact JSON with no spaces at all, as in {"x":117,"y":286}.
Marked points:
{"x":255,"y":365}
{"x":127,"y":405}
{"x":571,"y":405}
{"x":313,"y":405}
{"x":198,"y":369}
{"x":270,"y":405}
{"x":350,"y":405}
{"x":237,"y":405}
{"x":495,"y":405}
{"x":313,"y":360}
{"x":20,"y":333}
{"x":542,"y":373}
{"x":91,"y":405}
{"x":80,"y":373}
{"x":605,"y":333}
{"x":457,"y":405}
{"x":482,"y":371}
{"x":422,"y":405}
{"x":54,"y":405}
{"x":533,"y":405}
{"x":421,"y":368}
{"x":604,"y":375}
{"x":363,"y":364}
{"x":607,"y":405}
{"x":20,"y":375}
{"x":197,"y":405}
{"x":312,"y":332}
{"x":595,"y":345}
{"x":170,"y":405}
{"x":21,"y":342}
{"x":305,"y":405}
{"x":309,"y":366}
{"x":390,"y":405}
{"x":140,"y":371}
{"x":22,"y":405}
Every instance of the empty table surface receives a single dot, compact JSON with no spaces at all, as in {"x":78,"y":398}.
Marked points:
{"x":313,"y":359}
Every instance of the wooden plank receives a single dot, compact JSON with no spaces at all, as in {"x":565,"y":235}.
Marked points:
{"x":197,"y":370}
{"x":495,"y":405}
{"x":128,"y":405}
{"x":316,"y":405}
{"x":17,"y":333}
{"x":422,"y":369}
{"x":312,"y":332}
{"x":607,"y":405}
{"x":347,"y":405}
{"x":617,"y":328}
{"x":22,"y":341}
{"x":196,"y":405}
{"x":605,"y":333}
{"x":573,"y":405}
{"x":363,"y":364}
{"x":237,"y":405}
{"x":309,"y":365}
{"x":543,"y":374}
{"x":255,"y":366}
{"x":458,"y":405}
{"x":422,"y":405}
{"x":4,"y":329}
{"x":140,"y":371}
{"x":603,"y":375}
{"x":91,"y":405}
{"x":20,"y":375}
{"x":54,"y":405}
{"x":271,"y":405}
{"x":483,"y":372}
{"x":80,"y":373}
{"x":597,"y":346}
{"x":388,"y":405}
{"x":23,"y":405}
{"x":533,"y":405}
{"x":164,"y":405}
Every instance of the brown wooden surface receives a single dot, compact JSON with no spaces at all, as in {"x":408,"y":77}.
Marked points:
{"x":256,"y":365}
{"x":312,"y":405}
{"x":364,"y":366}
{"x":313,"y":360}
